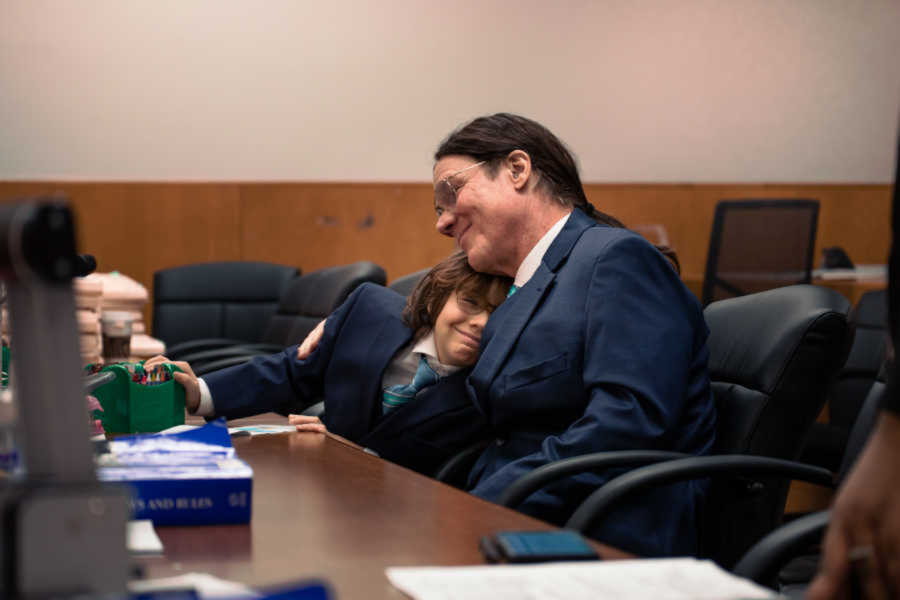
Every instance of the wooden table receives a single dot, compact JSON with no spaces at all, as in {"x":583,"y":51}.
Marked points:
{"x":325,"y":509}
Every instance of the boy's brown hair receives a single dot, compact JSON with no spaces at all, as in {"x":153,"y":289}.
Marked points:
{"x":452,"y":274}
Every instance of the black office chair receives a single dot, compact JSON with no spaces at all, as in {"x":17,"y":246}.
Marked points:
{"x":306,"y":301}
{"x":221,"y":300}
{"x":758,"y":245}
{"x":405,"y":285}
{"x":826,"y":441}
{"x":772,"y":355}
{"x":764,"y":561}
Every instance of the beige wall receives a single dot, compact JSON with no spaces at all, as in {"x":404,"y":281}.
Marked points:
{"x":362,"y":90}
{"x":285,"y":112}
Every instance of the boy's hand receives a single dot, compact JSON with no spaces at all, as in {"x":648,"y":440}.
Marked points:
{"x":185,"y":377}
{"x":306,"y":423}
{"x":311,"y":342}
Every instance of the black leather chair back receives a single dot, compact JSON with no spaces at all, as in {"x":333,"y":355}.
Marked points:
{"x":862,"y":427}
{"x":313,"y":296}
{"x":217,"y":300}
{"x":772,"y":357}
{"x":757,"y":245}
{"x":405,"y":285}
{"x":781,"y":560}
{"x":869,"y":319}
{"x":826,"y":442}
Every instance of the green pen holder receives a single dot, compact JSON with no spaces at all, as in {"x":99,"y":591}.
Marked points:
{"x":133,"y":407}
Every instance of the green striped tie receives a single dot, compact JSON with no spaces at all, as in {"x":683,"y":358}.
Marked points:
{"x":398,"y":395}
{"x":512,"y":290}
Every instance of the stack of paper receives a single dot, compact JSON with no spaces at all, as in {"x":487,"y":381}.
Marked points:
{"x":660,"y":579}
{"x":142,"y":538}
{"x":187,"y":478}
{"x":121,"y":293}
{"x":88,"y":295}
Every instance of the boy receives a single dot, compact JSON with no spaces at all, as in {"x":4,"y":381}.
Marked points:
{"x":392,"y":371}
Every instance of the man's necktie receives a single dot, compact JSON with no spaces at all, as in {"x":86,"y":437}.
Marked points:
{"x":512,"y":290}
{"x":398,"y":395}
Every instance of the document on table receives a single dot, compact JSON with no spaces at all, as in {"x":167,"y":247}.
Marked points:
{"x":142,"y":538}
{"x":204,"y":585}
{"x":261,"y":429}
{"x":660,"y":579}
{"x":240,"y":430}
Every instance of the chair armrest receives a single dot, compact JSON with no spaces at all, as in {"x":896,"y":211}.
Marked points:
{"x":531,"y":482}
{"x":762,"y":562}
{"x":683,"y":469}
{"x":176,"y":351}
{"x":213,"y":354}
{"x":224,"y":362}
{"x":457,"y":467}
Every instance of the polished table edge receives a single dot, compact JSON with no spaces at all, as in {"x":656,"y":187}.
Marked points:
{"x":605,"y":551}
{"x":187,"y":548}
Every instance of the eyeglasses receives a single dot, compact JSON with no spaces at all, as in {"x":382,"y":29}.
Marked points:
{"x":445,"y":192}
{"x":471,"y":303}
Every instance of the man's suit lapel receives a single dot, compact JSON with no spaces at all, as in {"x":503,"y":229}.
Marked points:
{"x":507,"y":322}
{"x":503,"y":330}
{"x":562,"y":246}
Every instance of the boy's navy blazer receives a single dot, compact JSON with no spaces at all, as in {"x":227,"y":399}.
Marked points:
{"x":602,"y":349}
{"x":361,"y":337}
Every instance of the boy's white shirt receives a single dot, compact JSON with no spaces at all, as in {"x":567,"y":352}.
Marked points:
{"x":536,"y":255}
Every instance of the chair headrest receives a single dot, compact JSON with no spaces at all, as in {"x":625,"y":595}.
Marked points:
{"x":235,"y":280}
{"x":405,"y":285}
{"x":319,"y":292}
{"x":753,"y":338}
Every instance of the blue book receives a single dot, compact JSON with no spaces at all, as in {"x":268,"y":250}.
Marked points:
{"x":187,"y":478}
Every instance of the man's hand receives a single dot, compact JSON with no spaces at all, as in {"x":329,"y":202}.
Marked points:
{"x":305,"y":423}
{"x":186,"y":378}
{"x":311,"y":342}
{"x":864,"y":533}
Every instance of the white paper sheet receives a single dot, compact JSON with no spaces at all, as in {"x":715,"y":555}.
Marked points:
{"x":660,"y":579}
{"x":142,"y":538}
{"x":261,"y":429}
{"x":179,"y":428}
{"x":206,"y":586}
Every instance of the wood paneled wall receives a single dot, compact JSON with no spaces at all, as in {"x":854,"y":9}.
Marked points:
{"x":856,"y":217}
{"x":139,"y":228}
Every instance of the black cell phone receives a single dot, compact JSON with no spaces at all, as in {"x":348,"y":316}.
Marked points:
{"x":536,"y":546}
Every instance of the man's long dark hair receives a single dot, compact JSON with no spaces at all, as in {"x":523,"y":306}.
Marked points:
{"x":492,"y":138}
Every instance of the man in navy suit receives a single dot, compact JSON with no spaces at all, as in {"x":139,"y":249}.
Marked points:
{"x":376,"y":339}
{"x":601,"y":347}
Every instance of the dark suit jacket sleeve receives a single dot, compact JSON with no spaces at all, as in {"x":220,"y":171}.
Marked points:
{"x":280,"y":382}
{"x":644,"y":360}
